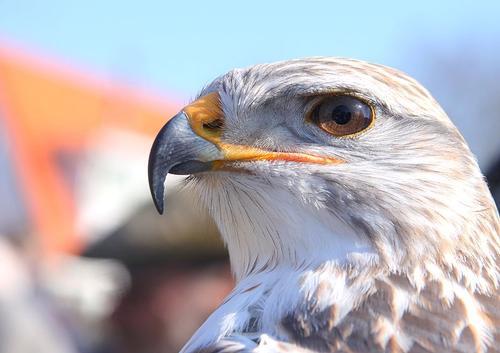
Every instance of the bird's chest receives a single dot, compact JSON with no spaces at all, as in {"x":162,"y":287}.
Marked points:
{"x":304,"y":306}
{"x":389,"y":313}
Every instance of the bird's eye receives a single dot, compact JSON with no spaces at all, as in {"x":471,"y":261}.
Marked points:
{"x":342,"y":116}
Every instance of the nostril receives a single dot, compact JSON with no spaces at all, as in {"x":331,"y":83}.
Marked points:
{"x":214,"y":124}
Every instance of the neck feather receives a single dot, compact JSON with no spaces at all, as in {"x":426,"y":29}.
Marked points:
{"x":265,"y":228}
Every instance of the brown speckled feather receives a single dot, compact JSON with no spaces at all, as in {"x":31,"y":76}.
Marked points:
{"x":394,"y":317}
{"x":383,"y":322}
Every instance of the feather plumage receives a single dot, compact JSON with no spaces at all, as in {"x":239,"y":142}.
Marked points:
{"x":395,"y":249}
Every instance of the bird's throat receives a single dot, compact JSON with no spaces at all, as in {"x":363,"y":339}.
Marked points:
{"x":267,"y":228}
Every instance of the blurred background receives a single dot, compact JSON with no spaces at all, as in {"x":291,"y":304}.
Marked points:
{"x":86,"y":264}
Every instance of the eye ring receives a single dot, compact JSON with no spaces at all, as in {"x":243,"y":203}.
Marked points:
{"x":342,"y":115}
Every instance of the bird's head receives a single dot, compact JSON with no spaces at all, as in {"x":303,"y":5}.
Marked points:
{"x":327,"y":159}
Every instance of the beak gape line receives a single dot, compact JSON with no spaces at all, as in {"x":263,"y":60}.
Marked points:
{"x":186,"y":146}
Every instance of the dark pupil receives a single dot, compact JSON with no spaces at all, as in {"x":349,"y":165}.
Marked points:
{"x":341,"y":114}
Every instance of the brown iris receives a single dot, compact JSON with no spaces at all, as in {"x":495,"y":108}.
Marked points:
{"x":342,"y":115}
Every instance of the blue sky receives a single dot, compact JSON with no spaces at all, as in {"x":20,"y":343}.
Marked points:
{"x":179,"y":46}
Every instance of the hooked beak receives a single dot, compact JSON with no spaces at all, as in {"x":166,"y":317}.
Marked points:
{"x":185,"y":145}
{"x":191,"y":143}
{"x":177,"y":150}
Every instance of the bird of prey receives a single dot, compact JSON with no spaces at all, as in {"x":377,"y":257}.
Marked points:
{"x":355,"y":215}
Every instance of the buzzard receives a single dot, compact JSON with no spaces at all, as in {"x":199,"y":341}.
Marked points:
{"x":355,"y":215}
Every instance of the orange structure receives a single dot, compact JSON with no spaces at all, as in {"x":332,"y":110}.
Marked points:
{"x":52,"y":111}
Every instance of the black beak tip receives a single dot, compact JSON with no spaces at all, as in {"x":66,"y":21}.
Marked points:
{"x":158,"y":201}
{"x":157,"y":191}
{"x":156,"y":179}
